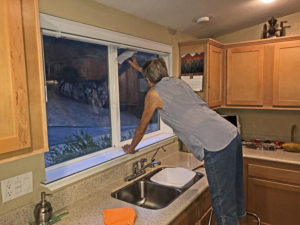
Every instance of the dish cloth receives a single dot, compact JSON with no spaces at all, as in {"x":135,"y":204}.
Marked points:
{"x":119,"y":216}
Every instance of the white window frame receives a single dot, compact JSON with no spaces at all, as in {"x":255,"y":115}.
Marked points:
{"x":54,"y":26}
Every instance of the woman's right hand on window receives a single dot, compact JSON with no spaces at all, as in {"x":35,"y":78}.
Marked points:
{"x":135,"y":65}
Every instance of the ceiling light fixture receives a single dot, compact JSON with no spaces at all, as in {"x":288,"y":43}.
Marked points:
{"x":202,"y":19}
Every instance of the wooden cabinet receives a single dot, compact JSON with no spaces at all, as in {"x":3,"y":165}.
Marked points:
{"x":245,"y":69}
{"x":21,"y":87}
{"x":213,"y":80}
{"x":273,"y":192}
{"x":263,"y":73}
{"x":254,"y":74}
{"x":286,"y":76}
{"x":197,"y":213}
{"x":215,"y":75}
{"x":204,"y":220}
{"x":14,"y":115}
{"x":188,"y":217}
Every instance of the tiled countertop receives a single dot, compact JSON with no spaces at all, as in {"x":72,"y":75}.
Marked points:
{"x":89,"y":210}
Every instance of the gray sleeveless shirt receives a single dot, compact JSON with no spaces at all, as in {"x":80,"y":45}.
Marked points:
{"x":197,"y":126}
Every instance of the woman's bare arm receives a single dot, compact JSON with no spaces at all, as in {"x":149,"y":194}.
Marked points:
{"x":152,"y":102}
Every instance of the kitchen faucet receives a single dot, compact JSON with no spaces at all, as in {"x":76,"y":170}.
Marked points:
{"x":138,"y":171}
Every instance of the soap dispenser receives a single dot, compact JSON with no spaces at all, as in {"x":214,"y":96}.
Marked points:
{"x":43,"y":210}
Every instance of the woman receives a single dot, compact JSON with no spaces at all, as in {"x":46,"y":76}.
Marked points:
{"x":205,"y":133}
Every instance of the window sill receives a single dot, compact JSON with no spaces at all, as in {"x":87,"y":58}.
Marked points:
{"x":62,"y":176}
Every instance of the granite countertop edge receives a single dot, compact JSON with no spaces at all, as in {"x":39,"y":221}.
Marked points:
{"x":278,"y":155}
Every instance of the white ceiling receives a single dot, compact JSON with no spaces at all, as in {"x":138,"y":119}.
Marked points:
{"x":225,"y":15}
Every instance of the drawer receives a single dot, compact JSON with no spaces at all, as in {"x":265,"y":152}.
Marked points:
{"x":275,"y":174}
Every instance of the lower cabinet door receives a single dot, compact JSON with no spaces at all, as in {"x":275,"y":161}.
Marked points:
{"x":274,"y":202}
{"x":188,"y":217}
{"x":204,"y":220}
{"x":196,"y":213}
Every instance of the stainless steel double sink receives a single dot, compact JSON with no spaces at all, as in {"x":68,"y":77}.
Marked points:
{"x":147,"y":194}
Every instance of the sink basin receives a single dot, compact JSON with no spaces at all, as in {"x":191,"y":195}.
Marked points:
{"x":147,"y":194}
{"x":150,"y":195}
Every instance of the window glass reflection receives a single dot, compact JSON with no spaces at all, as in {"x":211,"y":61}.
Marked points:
{"x":133,"y":88}
{"x":78,"y":114}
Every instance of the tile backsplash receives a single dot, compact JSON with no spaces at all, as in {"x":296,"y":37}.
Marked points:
{"x":267,"y":124}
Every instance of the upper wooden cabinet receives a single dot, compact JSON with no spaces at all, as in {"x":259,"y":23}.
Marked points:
{"x":264,"y":73}
{"x":245,"y":70}
{"x":14,"y":114}
{"x":213,"y":80}
{"x":215,"y":75}
{"x":286,"y":76}
{"x":22,"y":114}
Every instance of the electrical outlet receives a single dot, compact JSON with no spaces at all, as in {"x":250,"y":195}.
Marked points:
{"x":16,"y":186}
{"x":6,"y":190}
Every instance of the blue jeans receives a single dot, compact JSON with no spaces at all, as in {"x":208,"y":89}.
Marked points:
{"x":224,"y":171}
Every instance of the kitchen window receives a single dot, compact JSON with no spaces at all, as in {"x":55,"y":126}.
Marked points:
{"x":132,"y":91}
{"x":94,"y":98}
{"x":77,"y":101}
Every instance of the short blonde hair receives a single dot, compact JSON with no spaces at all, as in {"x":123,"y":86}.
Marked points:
{"x":155,"y":70}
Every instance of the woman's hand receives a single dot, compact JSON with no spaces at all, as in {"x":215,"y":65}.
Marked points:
{"x":128,"y":149}
{"x":135,"y":65}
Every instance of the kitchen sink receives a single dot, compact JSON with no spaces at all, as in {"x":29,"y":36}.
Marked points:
{"x":147,"y":194}
{"x":150,"y":195}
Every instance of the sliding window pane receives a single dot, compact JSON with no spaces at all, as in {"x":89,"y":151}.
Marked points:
{"x":78,"y":114}
{"x":133,"y":89}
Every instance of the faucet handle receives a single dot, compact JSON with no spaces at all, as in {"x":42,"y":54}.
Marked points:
{"x":135,"y":167}
{"x":142,"y":161}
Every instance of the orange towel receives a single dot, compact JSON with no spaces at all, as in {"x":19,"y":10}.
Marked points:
{"x":120,"y":216}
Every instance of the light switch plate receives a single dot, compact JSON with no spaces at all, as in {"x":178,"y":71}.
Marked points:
{"x":16,"y":186}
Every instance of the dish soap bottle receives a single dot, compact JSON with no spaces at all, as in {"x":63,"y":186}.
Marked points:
{"x":43,"y":210}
